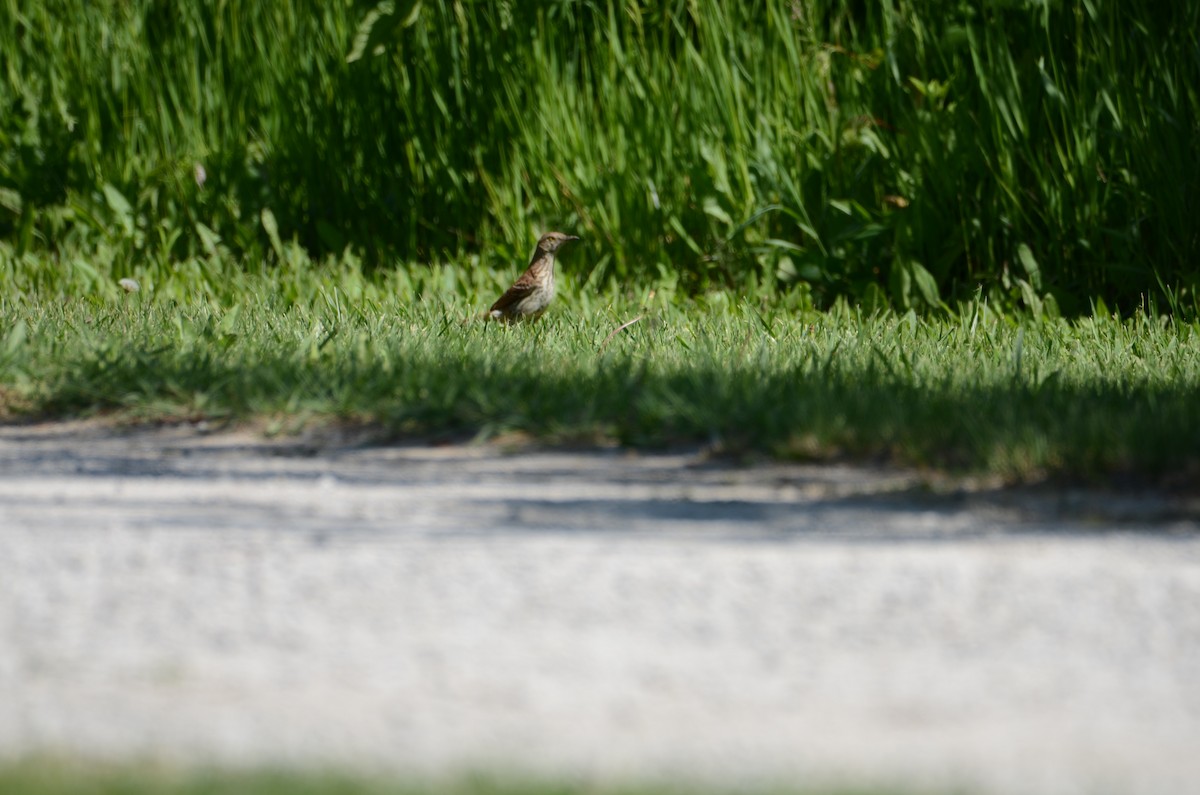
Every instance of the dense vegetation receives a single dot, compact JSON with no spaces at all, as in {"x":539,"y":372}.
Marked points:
{"x":907,"y":154}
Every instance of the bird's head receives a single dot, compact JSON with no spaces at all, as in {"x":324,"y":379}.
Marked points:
{"x":550,"y":241}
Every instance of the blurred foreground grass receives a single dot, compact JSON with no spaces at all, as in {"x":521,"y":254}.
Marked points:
{"x":56,"y":776}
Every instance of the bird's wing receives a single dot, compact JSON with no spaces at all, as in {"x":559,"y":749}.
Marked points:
{"x":515,"y":293}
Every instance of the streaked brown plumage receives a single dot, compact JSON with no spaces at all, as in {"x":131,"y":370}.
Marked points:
{"x":530,"y":294}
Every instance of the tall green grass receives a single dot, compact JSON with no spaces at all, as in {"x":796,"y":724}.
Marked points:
{"x":901,"y":154}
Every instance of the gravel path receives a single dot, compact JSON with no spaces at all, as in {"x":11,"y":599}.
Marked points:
{"x":218,"y":598}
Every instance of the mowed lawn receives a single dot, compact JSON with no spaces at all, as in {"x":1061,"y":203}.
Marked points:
{"x":1097,"y":399}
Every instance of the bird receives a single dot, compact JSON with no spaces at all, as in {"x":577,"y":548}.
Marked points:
{"x":530,"y":294}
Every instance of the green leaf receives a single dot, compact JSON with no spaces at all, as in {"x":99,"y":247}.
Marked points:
{"x":272,"y":229}
{"x":713,"y":209}
{"x":688,"y":239}
{"x":120,"y":206}
{"x":11,"y":200}
{"x":786,"y":245}
{"x":15,"y":338}
{"x":227,"y":327}
{"x":926,"y":284}
{"x":909,"y":274}
{"x":116,"y":200}
{"x":1030,"y":264}
{"x":1052,"y":92}
{"x":208,"y":239}
{"x":1030,"y":297}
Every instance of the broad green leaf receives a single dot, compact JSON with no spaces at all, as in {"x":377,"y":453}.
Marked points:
{"x":713,"y":209}
{"x":16,"y":337}
{"x":272,"y":230}
{"x":208,"y":239}
{"x":228,"y":324}
{"x":120,"y":206}
{"x":926,"y":284}
{"x":1030,"y":265}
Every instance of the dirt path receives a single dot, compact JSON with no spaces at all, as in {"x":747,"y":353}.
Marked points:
{"x":214,"y":597}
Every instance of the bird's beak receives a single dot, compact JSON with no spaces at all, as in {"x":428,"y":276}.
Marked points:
{"x":572,"y":237}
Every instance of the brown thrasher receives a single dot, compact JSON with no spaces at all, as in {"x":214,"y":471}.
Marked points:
{"x":529,"y":296}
